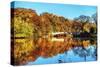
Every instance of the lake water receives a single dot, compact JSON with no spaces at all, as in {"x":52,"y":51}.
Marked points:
{"x":76,"y":54}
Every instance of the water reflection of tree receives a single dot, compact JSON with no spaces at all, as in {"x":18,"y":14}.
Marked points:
{"x":94,"y":55}
{"x":83,"y":52}
{"x":61,"y":59}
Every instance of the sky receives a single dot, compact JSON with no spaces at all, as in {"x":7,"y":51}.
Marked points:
{"x":66,"y":10}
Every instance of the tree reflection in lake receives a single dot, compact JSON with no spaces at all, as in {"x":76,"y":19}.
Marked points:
{"x":84,"y":52}
{"x":69,"y":50}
